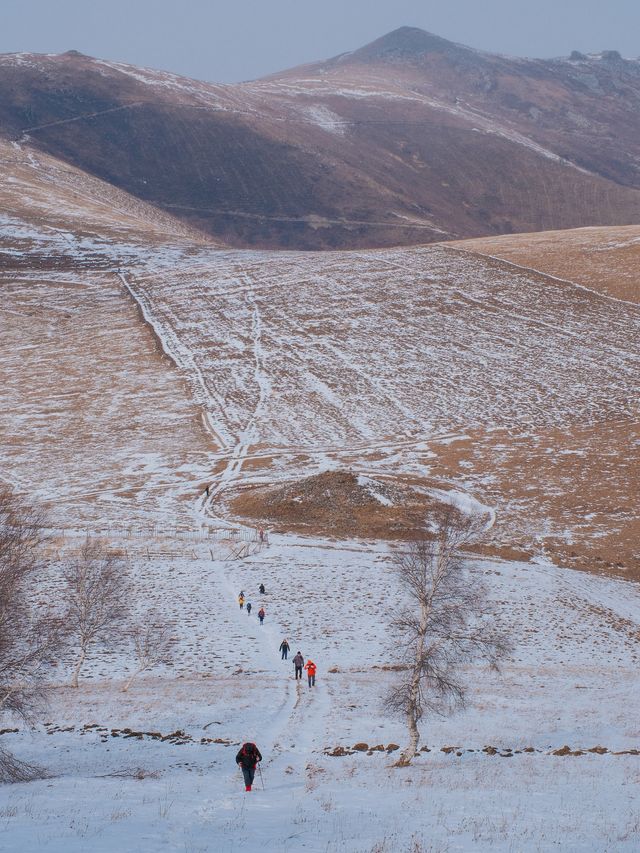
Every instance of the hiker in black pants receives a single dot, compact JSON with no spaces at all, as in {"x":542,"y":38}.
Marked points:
{"x":284,"y":648}
{"x":249,"y":605}
{"x":261,"y":589}
{"x":246,"y":759}
{"x":261,"y":615}
{"x":298,"y":662}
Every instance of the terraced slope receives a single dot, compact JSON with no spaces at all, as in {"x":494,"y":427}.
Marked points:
{"x":434,"y":366}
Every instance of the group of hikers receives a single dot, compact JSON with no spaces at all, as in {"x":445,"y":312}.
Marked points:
{"x":298,"y":663}
{"x":261,"y":612}
{"x":249,"y":755}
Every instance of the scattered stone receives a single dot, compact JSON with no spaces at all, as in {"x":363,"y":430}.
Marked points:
{"x":361,"y":747}
{"x":564,"y":750}
{"x":339,"y":751}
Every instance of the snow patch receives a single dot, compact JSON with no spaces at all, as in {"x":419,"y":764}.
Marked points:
{"x":326,"y":119}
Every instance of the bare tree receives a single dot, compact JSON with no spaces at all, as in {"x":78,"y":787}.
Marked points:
{"x":447,"y":625}
{"x":29,"y":631}
{"x":152,"y":640}
{"x":96,"y":597}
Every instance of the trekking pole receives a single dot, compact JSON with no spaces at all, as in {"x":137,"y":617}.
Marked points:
{"x":260,"y":772}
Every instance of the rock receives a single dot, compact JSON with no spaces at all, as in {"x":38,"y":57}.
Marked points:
{"x":339,"y":751}
{"x":361,"y":747}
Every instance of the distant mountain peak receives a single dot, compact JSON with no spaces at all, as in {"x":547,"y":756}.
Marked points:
{"x":74,"y":54}
{"x":405,"y":44}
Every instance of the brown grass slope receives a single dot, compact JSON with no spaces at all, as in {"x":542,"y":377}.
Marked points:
{"x":584,"y":477}
{"x":603,"y":259}
{"x":410,"y":140}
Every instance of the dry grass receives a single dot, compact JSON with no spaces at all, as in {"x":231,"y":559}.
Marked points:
{"x":604,"y":259}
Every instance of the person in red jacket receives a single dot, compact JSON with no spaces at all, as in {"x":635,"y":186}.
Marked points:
{"x":261,"y":615}
{"x":246,"y":759}
{"x":311,"y":672}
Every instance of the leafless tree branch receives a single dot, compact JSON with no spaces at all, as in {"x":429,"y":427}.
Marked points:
{"x":30,"y":633}
{"x":152,"y":640}
{"x":96,"y":597}
{"x":447,"y":626}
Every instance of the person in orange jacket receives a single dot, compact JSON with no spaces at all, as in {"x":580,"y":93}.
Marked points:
{"x":311,"y":672}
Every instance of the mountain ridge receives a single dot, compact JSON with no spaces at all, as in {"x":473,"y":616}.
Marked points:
{"x":409,"y":139}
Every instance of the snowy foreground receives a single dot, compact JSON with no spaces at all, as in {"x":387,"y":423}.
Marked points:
{"x":572,"y":680}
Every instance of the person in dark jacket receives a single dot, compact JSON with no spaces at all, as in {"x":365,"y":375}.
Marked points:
{"x":261,"y":589}
{"x":298,"y":662}
{"x":284,"y":648}
{"x":246,"y":759}
{"x":249,"y":605}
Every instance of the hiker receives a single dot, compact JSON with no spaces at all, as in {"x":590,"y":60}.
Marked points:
{"x":311,"y":672}
{"x":261,"y":534}
{"x":261,"y":615}
{"x":246,"y":759}
{"x":297,"y":662}
{"x":249,"y":605}
{"x":284,"y":648}
{"x":261,"y":589}
{"x":206,"y":491}
{"x":241,"y":600}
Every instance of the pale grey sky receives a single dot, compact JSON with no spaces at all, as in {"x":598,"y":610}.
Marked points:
{"x":243,"y":39}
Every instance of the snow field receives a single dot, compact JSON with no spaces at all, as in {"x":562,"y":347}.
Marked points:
{"x":572,"y":679}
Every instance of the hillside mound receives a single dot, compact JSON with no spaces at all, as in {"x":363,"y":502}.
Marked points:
{"x":342,"y":504}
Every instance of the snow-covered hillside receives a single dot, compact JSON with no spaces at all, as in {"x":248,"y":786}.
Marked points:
{"x":140,"y":366}
{"x":489,"y":782}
